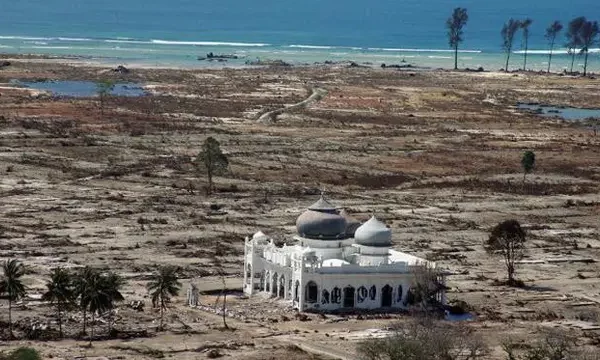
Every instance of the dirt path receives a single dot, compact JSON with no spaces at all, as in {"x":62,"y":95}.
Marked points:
{"x":317,"y":349}
{"x":316,"y":95}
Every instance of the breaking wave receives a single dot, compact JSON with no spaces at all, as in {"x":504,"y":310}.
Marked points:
{"x":425,"y":50}
{"x":555,"y":51}
{"x":207,"y":43}
{"x":311,"y":47}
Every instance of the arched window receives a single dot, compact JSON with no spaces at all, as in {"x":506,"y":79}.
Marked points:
{"x":274,"y":284}
{"x":386,"y":296}
{"x":324,"y":297}
{"x":362,"y":294}
{"x":281,"y":286}
{"x":373,"y":292}
{"x":296,"y":290}
{"x":336,"y":295}
{"x":312,"y":292}
{"x":268,"y":282}
{"x":411,"y":297}
{"x":349,"y":296}
{"x":399,"y":297}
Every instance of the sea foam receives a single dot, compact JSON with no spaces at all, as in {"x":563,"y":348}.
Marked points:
{"x":206,"y":43}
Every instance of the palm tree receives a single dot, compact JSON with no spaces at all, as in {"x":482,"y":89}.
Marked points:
{"x":60,"y":292}
{"x":587,"y":35}
{"x":551,"y":33}
{"x":12,"y":285}
{"x":162,"y":286}
{"x":113,"y":283}
{"x":82,"y":283}
{"x":525,"y":26}
{"x":97,"y":298}
{"x":573,"y":37}
{"x":508,"y":35}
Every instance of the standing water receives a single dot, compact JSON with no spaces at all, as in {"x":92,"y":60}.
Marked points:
{"x":75,"y":88}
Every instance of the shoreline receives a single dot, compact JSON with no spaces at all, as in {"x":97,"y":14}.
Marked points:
{"x":111,"y":63}
{"x":193,"y":55}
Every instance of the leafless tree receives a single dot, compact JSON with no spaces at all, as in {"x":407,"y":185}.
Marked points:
{"x":425,"y":338}
{"x":427,"y":286}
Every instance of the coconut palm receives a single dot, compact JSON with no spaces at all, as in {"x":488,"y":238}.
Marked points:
{"x":573,"y":37}
{"x":96,"y":298}
{"x":113,"y":283}
{"x":508,"y":35}
{"x":525,"y":24}
{"x":588,"y":34}
{"x":60,"y":292}
{"x":551,"y":33}
{"x":162,"y":286}
{"x":83,"y":281}
{"x":12,"y":285}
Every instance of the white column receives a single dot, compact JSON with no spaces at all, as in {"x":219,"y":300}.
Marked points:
{"x":246,"y":268}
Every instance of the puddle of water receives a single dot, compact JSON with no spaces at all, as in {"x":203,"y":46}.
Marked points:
{"x":73,"y":88}
{"x":459,"y":317}
{"x":567,"y":113}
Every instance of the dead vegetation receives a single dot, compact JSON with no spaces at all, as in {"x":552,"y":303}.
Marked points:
{"x":435,"y":154}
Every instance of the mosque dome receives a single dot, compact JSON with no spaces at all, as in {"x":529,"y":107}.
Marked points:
{"x":321,"y":221}
{"x":351,"y":223}
{"x":373,"y":233}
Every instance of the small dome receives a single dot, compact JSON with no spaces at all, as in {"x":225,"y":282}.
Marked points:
{"x":323,"y":205}
{"x":373,"y":233}
{"x":351,"y":223}
{"x":321,"y":225}
{"x":259,"y":236}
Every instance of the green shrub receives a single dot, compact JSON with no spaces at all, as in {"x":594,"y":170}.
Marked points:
{"x":23,"y":353}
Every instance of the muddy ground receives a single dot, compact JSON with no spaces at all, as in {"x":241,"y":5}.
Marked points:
{"x":435,"y":154}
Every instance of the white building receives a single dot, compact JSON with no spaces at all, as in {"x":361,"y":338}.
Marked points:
{"x":336,"y":263}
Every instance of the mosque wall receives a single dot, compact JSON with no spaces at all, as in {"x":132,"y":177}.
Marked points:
{"x":361,"y":291}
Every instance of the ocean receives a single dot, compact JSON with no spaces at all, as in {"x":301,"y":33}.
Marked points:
{"x":176,"y":32}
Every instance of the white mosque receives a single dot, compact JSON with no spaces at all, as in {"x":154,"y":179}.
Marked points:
{"x":336,"y":263}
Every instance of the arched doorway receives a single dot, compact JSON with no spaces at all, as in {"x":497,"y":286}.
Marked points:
{"x":312,"y":292}
{"x":282,"y":286}
{"x":349,"y":295}
{"x":274,"y":285}
{"x":386,"y":296}
{"x":268,"y":282}
{"x":399,"y":296}
{"x":263,"y":280}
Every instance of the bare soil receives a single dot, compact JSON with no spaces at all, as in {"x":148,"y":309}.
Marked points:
{"x":435,"y":154}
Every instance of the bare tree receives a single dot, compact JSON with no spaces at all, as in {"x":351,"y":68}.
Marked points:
{"x":508,"y":36}
{"x":455,"y":24}
{"x":507,"y":239}
{"x":551,"y":33}
{"x":525,"y":24}
{"x":425,"y":338}
{"x":220,"y":271}
{"x":426,"y":288}
{"x":553,"y":344}
{"x":103,"y":89}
